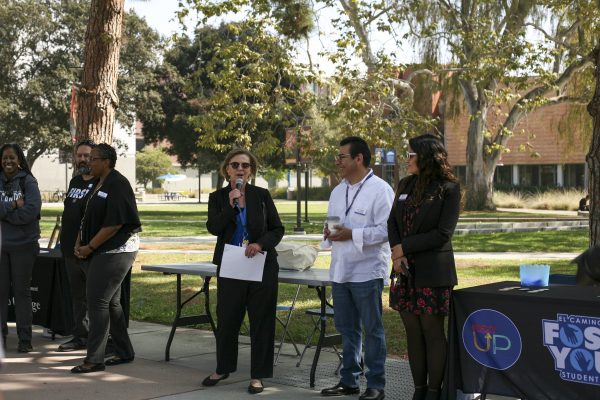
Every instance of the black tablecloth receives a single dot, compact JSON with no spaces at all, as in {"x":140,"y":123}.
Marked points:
{"x":51,"y":294}
{"x":531,"y":345}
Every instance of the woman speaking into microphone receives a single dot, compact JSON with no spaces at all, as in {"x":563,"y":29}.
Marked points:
{"x":241,"y":214}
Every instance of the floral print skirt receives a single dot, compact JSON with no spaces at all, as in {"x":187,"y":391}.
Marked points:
{"x":404,"y":296}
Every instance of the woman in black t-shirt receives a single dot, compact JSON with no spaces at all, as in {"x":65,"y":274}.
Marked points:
{"x":108,"y":240}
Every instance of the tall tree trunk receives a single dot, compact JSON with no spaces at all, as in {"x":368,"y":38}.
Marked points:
{"x":480,"y":169}
{"x":593,"y":157}
{"x":98,"y":100}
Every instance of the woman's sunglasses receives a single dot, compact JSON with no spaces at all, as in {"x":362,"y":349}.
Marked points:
{"x":236,"y":165}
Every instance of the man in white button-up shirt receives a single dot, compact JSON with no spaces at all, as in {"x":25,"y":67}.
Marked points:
{"x":360,"y":262}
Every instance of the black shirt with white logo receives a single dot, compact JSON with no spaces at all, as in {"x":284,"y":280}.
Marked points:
{"x":113,"y":203}
{"x":73,"y":211}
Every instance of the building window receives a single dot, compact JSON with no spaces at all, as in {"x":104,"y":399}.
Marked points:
{"x":503,"y":175}
{"x":548,"y":175}
{"x":529,"y":175}
{"x":574,"y":175}
{"x":461,"y":173}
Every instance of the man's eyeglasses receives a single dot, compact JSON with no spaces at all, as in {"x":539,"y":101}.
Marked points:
{"x":236,"y":165}
{"x":97,"y":158}
{"x":410,"y":154}
{"x":341,"y":156}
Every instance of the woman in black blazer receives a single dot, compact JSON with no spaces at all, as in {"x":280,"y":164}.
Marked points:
{"x":244,"y":215}
{"x":420,"y":229}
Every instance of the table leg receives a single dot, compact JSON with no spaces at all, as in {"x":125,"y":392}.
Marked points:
{"x":175,"y":322}
{"x":207,"y":304}
{"x":190,"y":319}
{"x":322,"y":291}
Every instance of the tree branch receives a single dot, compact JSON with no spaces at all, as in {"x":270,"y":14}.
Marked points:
{"x":554,"y":38}
{"x":519,"y":108}
{"x":351,"y":9}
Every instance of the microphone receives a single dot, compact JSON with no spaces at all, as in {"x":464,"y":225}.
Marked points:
{"x":238,"y":185}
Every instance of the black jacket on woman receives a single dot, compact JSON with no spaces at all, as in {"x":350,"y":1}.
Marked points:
{"x":429,"y":241}
{"x":263,"y":224}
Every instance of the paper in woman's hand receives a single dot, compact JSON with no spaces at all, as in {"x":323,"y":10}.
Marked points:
{"x":236,"y":265}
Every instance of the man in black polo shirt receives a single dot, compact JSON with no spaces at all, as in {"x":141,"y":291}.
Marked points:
{"x":79,"y":187}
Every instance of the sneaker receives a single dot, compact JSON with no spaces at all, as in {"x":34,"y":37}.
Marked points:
{"x":72,"y":345}
{"x":24,"y":347}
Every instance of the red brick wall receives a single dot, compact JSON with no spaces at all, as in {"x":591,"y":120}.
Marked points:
{"x":539,"y":129}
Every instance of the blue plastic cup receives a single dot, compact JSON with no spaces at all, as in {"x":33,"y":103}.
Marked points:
{"x":534,"y":274}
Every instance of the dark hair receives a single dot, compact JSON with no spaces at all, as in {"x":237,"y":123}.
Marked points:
{"x":20,"y":155}
{"x":358,"y":146}
{"x":107,"y":152}
{"x":432,"y":161}
{"x":235,"y":152}
{"x":85,"y":142}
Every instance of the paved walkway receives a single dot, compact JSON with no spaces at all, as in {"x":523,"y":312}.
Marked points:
{"x":44,"y":373}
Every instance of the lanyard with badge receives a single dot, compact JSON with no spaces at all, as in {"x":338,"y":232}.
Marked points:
{"x":348,"y":207}
{"x":243,"y":221}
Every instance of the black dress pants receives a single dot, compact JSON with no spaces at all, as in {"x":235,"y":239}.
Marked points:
{"x":234,"y":297}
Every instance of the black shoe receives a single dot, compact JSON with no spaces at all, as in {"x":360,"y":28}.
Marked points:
{"x":83,"y":369}
{"x":420,"y":393}
{"x":255,"y":389}
{"x":72,"y":345}
{"x":432,"y":394}
{"x":116,"y":360}
{"x":24,"y":347}
{"x":340,"y":390}
{"x":208,"y":381}
{"x":372,"y":394}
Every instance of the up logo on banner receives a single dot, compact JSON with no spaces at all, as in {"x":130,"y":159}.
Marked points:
{"x":492,"y":339}
{"x":574,"y":342}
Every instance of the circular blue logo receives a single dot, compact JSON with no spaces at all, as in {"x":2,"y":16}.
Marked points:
{"x":492,"y":339}
{"x":571,"y":335}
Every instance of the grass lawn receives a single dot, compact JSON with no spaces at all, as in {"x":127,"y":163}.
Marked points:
{"x":158,"y":220}
{"x":153,"y":294}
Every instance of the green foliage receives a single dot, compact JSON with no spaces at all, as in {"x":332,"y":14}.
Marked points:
{"x":314,"y":193}
{"x":234,"y":85}
{"x":151,"y":163}
{"x":41,"y":50}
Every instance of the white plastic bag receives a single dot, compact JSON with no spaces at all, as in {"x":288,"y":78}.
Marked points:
{"x":295,"y":256}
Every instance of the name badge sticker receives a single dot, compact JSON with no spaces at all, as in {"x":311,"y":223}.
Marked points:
{"x":360,"y":211}
{"x":402,"y":197}
{"x":102,"y":194}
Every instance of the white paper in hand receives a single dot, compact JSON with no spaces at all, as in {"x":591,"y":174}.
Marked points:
{"x":236,"y":265}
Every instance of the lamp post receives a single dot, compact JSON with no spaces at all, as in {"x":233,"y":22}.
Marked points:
{"x":298,"y":228}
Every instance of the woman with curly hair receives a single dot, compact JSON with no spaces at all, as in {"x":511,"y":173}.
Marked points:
{"x":20,"y":205}
{"x":420,"y":229}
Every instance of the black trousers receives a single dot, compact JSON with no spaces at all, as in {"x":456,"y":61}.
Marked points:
{"x":105,"y":275}
{"x":234,"y":297}
{"x":76,"y":271}
{"x":16,"y":269}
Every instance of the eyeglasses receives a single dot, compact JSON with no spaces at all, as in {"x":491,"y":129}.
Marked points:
{"x":410,"y":154}
{"x":341,"y":156}
{"x":236,"y":165}
{"x":97,"y":158}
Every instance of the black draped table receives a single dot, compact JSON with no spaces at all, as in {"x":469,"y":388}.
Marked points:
{"x":538,"y":343}
{"x":51,"y":295}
